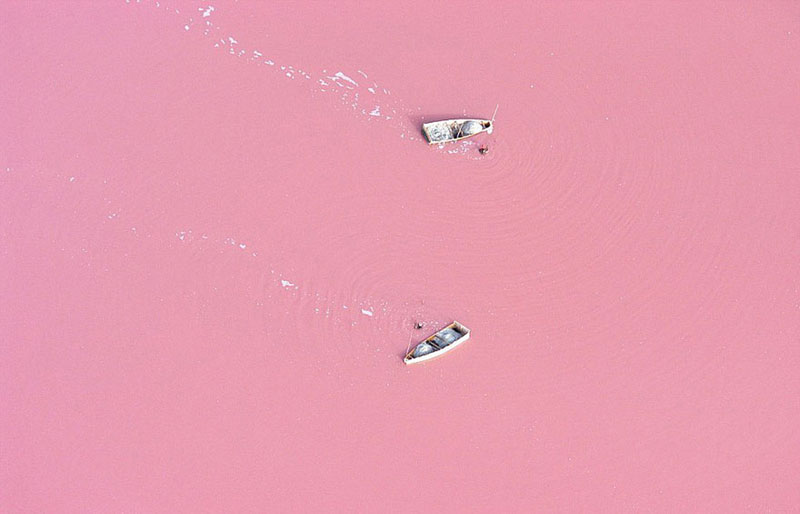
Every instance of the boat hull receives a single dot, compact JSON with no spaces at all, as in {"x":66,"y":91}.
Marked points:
{"x":448,"y":131}
{"x":464,"y":331}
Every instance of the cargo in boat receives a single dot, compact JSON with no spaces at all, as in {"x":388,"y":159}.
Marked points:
{"x":439,"y":343}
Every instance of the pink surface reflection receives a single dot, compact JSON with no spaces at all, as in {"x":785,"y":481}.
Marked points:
{"x":220,"y":222}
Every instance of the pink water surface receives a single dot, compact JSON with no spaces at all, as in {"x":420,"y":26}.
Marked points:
{"x":218,"y":226}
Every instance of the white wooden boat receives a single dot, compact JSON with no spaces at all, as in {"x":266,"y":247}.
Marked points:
{"x":446,"y":131}
{"x":439,"y":343}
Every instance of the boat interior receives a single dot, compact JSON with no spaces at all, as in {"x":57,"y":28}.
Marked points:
{"x":458,"y":128}
{"x":452,"y":129}
{"x":439,"y":340}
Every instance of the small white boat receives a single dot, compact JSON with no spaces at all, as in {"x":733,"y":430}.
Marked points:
{"x":439,"y":343}
{"x":447,"y":131}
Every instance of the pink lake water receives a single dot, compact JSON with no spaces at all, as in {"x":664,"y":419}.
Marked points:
{"x":219,"y":223}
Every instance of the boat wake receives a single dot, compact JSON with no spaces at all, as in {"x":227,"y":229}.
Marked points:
{"x":354,"y":89}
